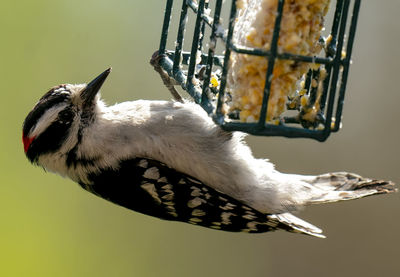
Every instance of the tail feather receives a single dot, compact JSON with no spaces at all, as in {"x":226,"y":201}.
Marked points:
{"x":341,"y":186}
{"x":327,"y":188}
{"x":291,"y":223}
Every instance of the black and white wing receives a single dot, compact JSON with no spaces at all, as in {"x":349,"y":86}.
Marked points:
{"x":152,"y":188}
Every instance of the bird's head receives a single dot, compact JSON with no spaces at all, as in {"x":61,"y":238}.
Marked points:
{"x":59,"y":116}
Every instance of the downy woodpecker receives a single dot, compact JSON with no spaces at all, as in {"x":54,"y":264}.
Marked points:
{"x":169,"y":160}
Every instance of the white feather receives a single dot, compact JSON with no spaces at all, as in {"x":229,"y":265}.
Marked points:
{"x":183,"y":136}
{"x":47,"y":118}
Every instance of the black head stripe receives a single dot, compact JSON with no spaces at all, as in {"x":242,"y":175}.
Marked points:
{"x":54,"y":136}
{"x":50,"y":99}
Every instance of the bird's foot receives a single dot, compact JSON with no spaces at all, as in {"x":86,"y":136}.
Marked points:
{"x":168,"y":82}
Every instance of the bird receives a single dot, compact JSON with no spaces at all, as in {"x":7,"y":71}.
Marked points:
{"x":168,"y":159}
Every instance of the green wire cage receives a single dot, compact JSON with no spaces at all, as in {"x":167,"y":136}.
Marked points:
{"x":193,"y":71}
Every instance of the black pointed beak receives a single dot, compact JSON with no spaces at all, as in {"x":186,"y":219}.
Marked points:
{"x":90,"y":91}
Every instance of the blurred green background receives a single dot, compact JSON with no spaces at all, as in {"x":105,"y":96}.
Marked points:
{"x":51,"y":227}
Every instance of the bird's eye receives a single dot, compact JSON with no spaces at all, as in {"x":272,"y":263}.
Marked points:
{"x":66,"y":116}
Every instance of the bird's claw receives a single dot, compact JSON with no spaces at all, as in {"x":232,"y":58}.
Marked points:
{"x":168,"y":82}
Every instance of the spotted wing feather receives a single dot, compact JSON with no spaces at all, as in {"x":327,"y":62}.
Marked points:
{"x":154,"y":189}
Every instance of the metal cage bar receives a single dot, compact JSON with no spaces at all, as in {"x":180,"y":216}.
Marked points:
{"x":195,"y":47}
{"x":346,"y":63}
{"x":212,"y":100}
{"x":219,"y":114}
{"x":211,"y":53}
{"x":336,"y":68}
{"x":271,"y":63}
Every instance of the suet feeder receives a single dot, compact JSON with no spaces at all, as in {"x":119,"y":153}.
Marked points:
{"x":203,"y":72}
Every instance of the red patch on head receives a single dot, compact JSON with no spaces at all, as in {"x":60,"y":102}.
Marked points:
{"x":27,"y":141}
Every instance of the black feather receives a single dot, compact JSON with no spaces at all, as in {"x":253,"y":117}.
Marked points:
{"x":171,"y":199}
